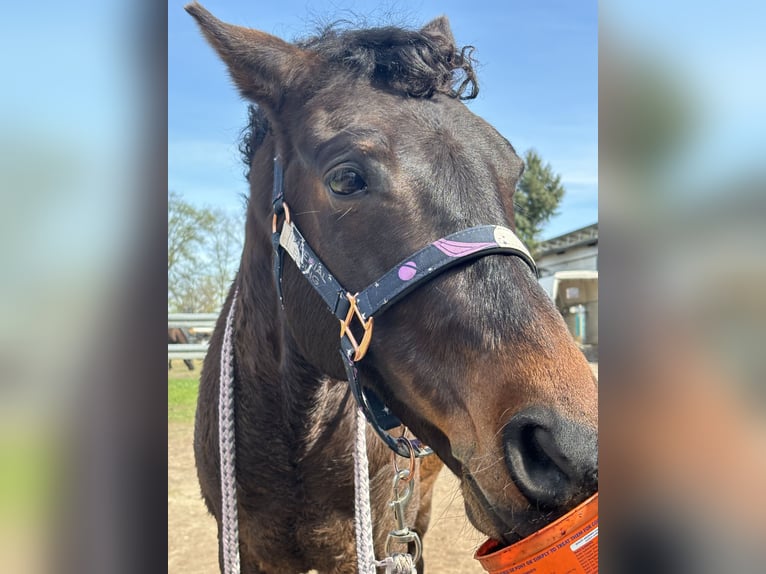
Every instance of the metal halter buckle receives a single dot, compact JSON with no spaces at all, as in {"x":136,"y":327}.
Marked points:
{"x":360,"y":349}
{"x":275,"y":219}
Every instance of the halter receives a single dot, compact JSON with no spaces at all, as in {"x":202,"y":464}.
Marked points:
{"x":362,"y":307}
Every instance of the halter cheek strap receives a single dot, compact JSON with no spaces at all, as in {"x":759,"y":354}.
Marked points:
{"x":362,"y":307}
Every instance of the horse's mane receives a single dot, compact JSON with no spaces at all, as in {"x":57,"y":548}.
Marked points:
{"x":406,"y":61}
{"x":253,"y":135}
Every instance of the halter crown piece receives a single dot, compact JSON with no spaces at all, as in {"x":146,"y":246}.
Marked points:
{"x":362,"y":307}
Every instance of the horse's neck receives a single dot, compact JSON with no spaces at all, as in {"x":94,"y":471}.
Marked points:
{"x":281,"y":380}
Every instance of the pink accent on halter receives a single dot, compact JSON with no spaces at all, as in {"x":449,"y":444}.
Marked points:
{"x":459,"y":248}
{"x":407,"y":271}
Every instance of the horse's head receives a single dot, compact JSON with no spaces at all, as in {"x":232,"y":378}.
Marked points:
{"x":380,"y":159}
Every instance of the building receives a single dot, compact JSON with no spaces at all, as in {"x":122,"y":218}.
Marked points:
{"x":568,"y":266}
{"x":577,"y":249}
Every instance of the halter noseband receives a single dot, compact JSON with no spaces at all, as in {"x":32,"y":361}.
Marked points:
{"x":362,"y":307}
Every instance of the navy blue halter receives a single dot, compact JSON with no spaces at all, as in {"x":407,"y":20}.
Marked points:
{"x":358,"y":310}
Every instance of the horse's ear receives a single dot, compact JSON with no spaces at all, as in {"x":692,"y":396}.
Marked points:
{"x":439,"y":31}
{"x":262,"y":66}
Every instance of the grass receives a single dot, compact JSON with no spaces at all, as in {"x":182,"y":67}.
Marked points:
{"x":183,"y":386}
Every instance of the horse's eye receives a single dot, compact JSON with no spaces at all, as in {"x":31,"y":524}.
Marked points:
{"x":346,"y":181}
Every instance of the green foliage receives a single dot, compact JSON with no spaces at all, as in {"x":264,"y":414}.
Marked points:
{"x":223,"y":248}
{"x":537,"y":196}
{"x":187,"y":226}
{"x":203,"y":252}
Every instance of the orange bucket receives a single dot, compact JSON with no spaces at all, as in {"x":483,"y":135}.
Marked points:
{"x":568,"y":545}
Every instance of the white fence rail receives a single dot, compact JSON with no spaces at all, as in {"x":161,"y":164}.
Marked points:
{"x":195,"y":322}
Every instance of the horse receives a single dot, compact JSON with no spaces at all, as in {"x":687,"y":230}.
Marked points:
{"x":365,"y":135}
{"x":177,"y":336}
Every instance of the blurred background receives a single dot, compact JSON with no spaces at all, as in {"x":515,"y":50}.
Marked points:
{"x":83,"y":285}
{"x":683,"y":318}
{"x":82,"y":230}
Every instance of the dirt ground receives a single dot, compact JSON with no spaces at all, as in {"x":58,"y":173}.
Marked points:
{"x":449,"y":545}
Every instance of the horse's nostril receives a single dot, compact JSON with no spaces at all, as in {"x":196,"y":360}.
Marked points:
{"x":553,"y":462}
{"x":535,"y":464}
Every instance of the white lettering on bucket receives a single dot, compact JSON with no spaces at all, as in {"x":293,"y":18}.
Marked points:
{"x":584,"y":540}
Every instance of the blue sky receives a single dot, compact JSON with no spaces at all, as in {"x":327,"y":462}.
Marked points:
{"x":538,"y":76}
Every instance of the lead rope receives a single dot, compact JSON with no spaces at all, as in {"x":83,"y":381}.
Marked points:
{"x":365,"y":551}
{"x":229,"y":518}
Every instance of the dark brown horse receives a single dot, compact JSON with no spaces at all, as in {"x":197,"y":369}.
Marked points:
{"x":177,"y":336}
{"x":381,"y":158}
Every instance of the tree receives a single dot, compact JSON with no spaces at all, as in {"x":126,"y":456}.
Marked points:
{"x":203,"y":254}
{"x":537,"y":196}
{"x":188,"y":227}
{"x":223,"y":247}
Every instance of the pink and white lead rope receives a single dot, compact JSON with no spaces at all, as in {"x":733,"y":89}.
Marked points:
{"x":229,"y":518}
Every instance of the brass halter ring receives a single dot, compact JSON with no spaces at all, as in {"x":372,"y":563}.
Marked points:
{"x":360,"y":348}
{"x":276,"y":217}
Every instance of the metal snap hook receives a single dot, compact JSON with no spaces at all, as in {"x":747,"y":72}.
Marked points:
{"x":408,"y":444}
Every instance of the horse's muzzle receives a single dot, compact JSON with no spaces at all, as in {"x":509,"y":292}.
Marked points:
{"x":553,"y":461}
